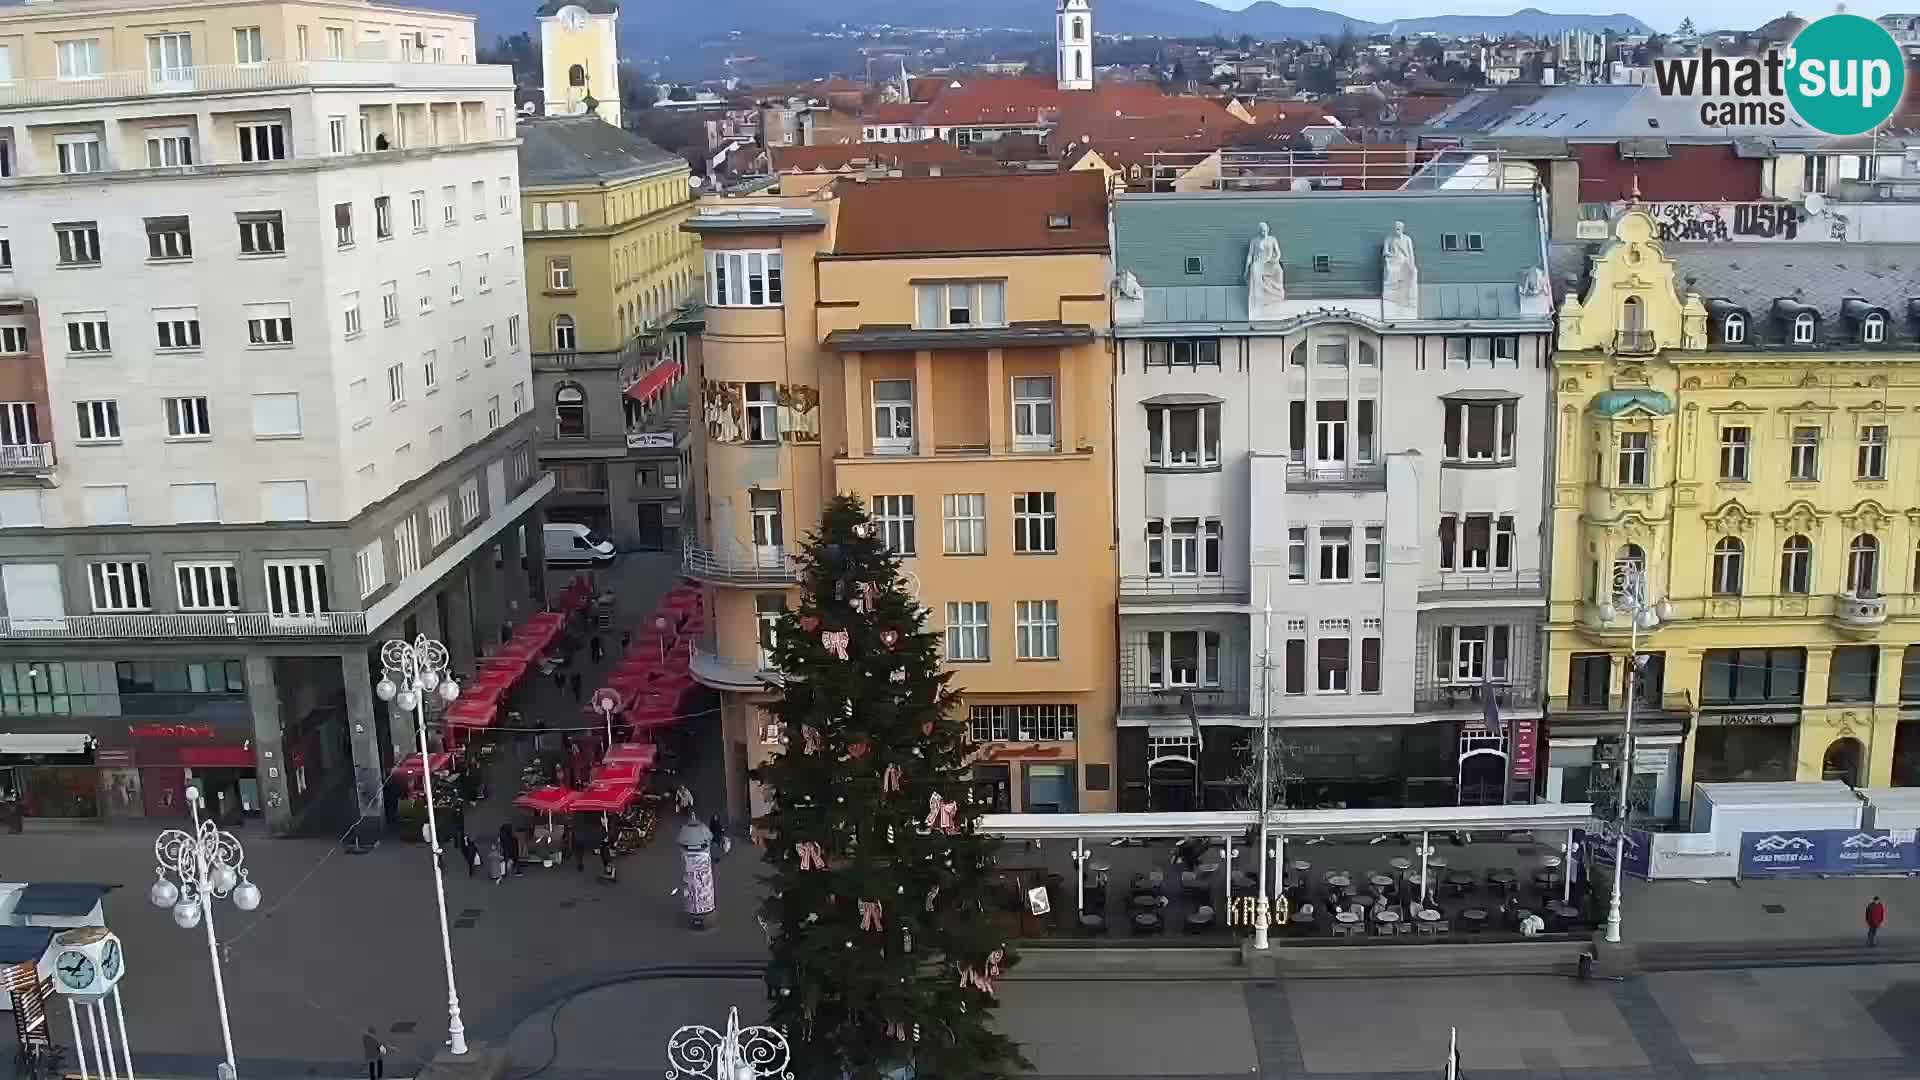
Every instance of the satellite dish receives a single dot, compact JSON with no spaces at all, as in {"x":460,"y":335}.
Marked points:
{"x":1816,"y":203}
{"x":693,"y":182}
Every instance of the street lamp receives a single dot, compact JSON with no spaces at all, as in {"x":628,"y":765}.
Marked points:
{"x":606,"y":701}
{"x":1632,"y":597}
{"x":738,"y":1053}
{"x":207,"y":863}
{"x":411,"y":673}
{"x":1262,"y":914}
{"x":660,"y":627}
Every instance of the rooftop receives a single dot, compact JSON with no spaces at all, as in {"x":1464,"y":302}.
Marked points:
{"x":961,"y":215}
{"x":1596,"y":113}
{"x":835,"y":156}
{"x":560,"y":150}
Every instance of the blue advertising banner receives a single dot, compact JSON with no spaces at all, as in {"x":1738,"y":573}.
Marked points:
{"x":1639,"y":849}
{"x":1828,"y":851}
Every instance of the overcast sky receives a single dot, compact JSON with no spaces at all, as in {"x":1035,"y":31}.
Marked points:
{"x":1707,"y":14}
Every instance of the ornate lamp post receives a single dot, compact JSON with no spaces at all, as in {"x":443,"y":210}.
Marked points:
{"x":412,"y":671}
{"x":1632,"y":597}
{"x":748,"y":1053}
{"x":207,"y":864}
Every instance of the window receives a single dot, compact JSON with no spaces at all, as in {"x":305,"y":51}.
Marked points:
{"x":13,"y":340}
{"x":1190,"y":353}
{"x":1796,"y":566}
{"x":1332,"y":655}
{"x":892,"y":416}
{"x":177,"y":329}
{"x":78,"y":154}
{"x":968,"y":635}
{"x":1370,"y":665}
{"x":1036,"y":629}
{"x":1873,"y":452}
{"x":337,"y":134}
{"x":79,"y":243}
{"x":449,"y":205}
{"x":284,"y":500}
{"x":296,"y":589}
{"x":383,"y":217}
{"x":1034,"y":523}
{"x":744,"y":278}
{"x":169,"y":148}
{"x":87,"y":333}
{"x":1183,"y":436}
{"x":478,"y":190}
{"x":1803,"y":326}
{"x":555,"y":216}
{"x":1873,"y":329}
{"x":1371,"y":553}
{"x":481,"y":265}
{"x":1729,"y":566}
{"x":430,"y":369}
{"x":187,"y":418}
{"x":767,"y":610}
{"x":1734,"y":444}
{"x":1296,"y":554}
{"x":518,"y":400}
{"x":261,"y":233}
{"x":343,"y":224}
{"x":370,"y":562}
{"x":1752,"y":676}
{"x":396,"y":384}
{"x":453,"y":283}
{"x":336,"y":43}
{"x":469,"y":502}
{"x":1033,"y":413}
{"x":1854,"y":675}
{"x":350,"y":314}
{"x":118,"y":586}
{"x":952,"y":305}
{"x":1733,"y":331}
{"x":270,"y":324}
{"x":1472,"y":654}
{"x":1295,"y":666}
{"x":564,"y":337}
{"x":248,"y":47}
{"x":1863,"y":565}
{"x":99,"y":420}
{"x":6,"y":245}
{"x":493,"y":412}
{"x":1183,"y":658}
{"x":1635,"y":450}
{"x":763,"y":412}
{"x":506,"y":182}
{"x":106,"y":504}
{"x":570,"y":412}
{"x":513,"y":332}
{"x":439,"y":521}
{"x":1481,"y":430}
{"x":1805,"y":464}
{"x":894,"y":515}
{"x":262,"y":142}
{"x":276,"y":416}
{"x":417,"y":205}
{"x":78,"y":59}
{"x":406,"y":547}
{"x":1184,"y":547}
{"x":1001,"y":723}
{"x":1330,"y":431}
{"x":964,"y":518}
{"x":560,"y":275}
{"x":207,"y":586}
{"x":486,"y":344}
{"x":1336,"y":553}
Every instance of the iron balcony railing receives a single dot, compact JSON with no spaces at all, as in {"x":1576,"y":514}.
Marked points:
{"x":1163,"y":589}
{"x":238,"y":78}
{"x":1359,"y":476}
{"x":1437,"y":697}
{"x":223,"y":624}
{"x":1371,"y":168}
{"x":1481,"y":583}
{"x":739,"y":566}
{"x":1633,"y":342}
{"x":1672,"y":701}
{"x":727,"y":672}
{"x":26,"y":457}
{"x":631,"y":353}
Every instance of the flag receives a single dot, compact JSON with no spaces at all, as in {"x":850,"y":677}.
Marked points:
{"x":1489,"y":703}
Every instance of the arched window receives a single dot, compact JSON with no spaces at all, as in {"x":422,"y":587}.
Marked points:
{"x":564,"y":339}
{"x":1863,"y":565}
{"x":1734,"y":330}
{"x":1633,"y":315}
{"x":1873,"y":329}
{"x":1079,"y":65}
{"x":1729,"y":566}
{"x":1796,"y":566}
{"x":576,"y":76}
{"x":1079,"y":30}
{"x":1803,"y":329}
{"x":570,"y":411}
{"x":1630,"y":562}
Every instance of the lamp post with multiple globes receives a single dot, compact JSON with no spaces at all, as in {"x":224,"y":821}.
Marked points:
{"x":206,"y":862}
{"x":1633,"y":598}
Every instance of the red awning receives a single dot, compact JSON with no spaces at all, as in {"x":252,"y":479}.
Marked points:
{"x":641,"y":754}
{"x":657,"y":378}
{"x":216,"y":757}
{"x":471,"y":712}
{"x":546,"y":800}
{"x":604,"y":798}
{"x":411,"y":766}
{"x":617,"y":772}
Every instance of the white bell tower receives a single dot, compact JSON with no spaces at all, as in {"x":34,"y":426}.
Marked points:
{"x":1073,"y":37}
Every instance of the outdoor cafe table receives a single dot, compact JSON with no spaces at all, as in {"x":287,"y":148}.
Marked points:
{"x":1147,"y":902}
{"x":1428,"y":914}
{"x":1502,"y":877}
{"x":1381,"y":880}
{"x":1399,"y":863}
{"x":1345,"y":917}
{"x":1459,"y":877}
{"x":1389,"y":917}
{"x":1339,"y":881}
{"x":1546,"y":876}
{"x":1302,"y":865}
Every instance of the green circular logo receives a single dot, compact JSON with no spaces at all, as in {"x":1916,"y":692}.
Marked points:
{"x":1845,"y":75}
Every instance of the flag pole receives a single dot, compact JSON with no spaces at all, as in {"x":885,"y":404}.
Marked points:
{"x":1453,"y":1054}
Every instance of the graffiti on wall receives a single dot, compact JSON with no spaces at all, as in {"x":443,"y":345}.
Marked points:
{"x":724,"y":405}
{"x":1732,"y":222}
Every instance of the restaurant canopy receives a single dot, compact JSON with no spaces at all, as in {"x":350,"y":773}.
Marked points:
{"x":471,"y":712}
{"x":410,"y":767}
{"x":618,"y":772}
{"x":604,"y":798}
{"x":546,"y":800}
{"x":641,"y":754}
{"x":1309,"y":823}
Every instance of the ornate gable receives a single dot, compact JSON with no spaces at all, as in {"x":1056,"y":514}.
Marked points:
{"x":1798,"y":516}
{"x":1631,"y":272}
{"x":1730,"y":519}
{"x":1867,"y":516}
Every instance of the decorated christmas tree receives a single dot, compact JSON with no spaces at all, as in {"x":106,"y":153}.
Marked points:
{"x":885,"y":947}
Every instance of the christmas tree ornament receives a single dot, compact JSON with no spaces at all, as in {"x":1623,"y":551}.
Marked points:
{"x":889,"y":637}
{"x":940,"y":814}
{"x":835,"y":642}
{"x":810,"y":741}
{"x":870,"y":916}
{"x":890,"y":778}
{"x":862,"y":529}
{"x":811,"y":856}
{"x":869,"y":595}
{"x":890,"y":840}
{"x":898,"y":675}
{"x":916,"y":1033}
{"x":932,"y":895}
{"x":857,"y":750}
{"x":906,"y":939}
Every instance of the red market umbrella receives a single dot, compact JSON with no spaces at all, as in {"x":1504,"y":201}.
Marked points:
{"x":493,"y":680}
{"x":642,"y":720}
{"x":546,"y":800}
{"x":641,"y":754}
{"x":518,"y":649}
{"x":471,"y":712}
{"x":604,"y":799}
{"x":617,"y":772}
{"x":442,"y":762}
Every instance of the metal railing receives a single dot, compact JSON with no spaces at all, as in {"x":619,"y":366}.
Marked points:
{"x":584,"y":359}
{"x":1481,"y":583}
{"x":1154,"y":587}
{"x":1471,"y":696}
{"x":1229,"y":697}
{"x":232,"y":78}
{"x":757,"y":566}
{"x":717,"y":669}
{"x":1670,"y":701}
{"x":1633,"y":342}
{"x":225,"y":624}
{"x":1359,"y":475}
{"x":1352,"y":168}
{"x":26,"y":457}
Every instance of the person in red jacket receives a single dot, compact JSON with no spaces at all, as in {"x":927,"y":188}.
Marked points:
{"x":1876,"y":918}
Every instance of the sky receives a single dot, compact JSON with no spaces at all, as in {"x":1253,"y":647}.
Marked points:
{"x":1706,"y":14}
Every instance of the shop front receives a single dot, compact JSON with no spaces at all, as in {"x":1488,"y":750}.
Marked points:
{"x":1044,"y":773}
{"x":1583,"y":758}
{"x":50,"y":774}
{"x":1746,"y":744}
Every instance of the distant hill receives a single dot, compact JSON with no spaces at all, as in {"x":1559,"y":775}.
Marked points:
{"x":1525,"y":21}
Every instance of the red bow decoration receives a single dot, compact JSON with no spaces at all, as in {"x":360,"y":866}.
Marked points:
{"x":811,"y":857}
{"x":890,"y":779}
{"x":889,"y":637}
{"x":810,"y":739}
{"x":856,"y":751}
{"x":932,"y":895}
{"x":870,"y":915}
{"x":940,"y":813}
{"x":836,"y":643}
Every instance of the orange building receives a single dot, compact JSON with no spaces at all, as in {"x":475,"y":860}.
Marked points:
{"x":948,"y":367}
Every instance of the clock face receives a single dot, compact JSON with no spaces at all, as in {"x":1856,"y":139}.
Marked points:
{"x":75,"y":970}
{"x":110,"y":961}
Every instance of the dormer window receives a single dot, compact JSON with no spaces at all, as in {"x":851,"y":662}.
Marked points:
{"x":1734,"y":330}
{"x":1873,"y":329}
{"x":1803,"y":328}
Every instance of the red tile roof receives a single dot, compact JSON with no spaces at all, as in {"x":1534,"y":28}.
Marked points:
{"x":892,"y":113}
{"x":954,"y":215}
{"x":843,"y":155}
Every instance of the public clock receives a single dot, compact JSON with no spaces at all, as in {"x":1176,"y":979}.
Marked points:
{"x":76,"y":971}
{"x":87,"y":961}
{"x":573,"y":18}
{"x":110,"y":960}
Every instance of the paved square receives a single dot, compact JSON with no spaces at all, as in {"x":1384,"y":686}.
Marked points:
{"x":1785,"y":1015}
{"x":1099,"y":1029}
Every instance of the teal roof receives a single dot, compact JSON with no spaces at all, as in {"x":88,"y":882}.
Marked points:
{"x":1615,"y":402}
{"x":1155,"y":235}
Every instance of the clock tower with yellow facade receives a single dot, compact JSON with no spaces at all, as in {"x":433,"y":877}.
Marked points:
{"x":579,"y":58}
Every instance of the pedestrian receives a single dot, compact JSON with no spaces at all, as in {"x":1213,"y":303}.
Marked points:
{"x":510,"y":848}
{"x":606,"y":860}
{"x":469,"y":853}
{"x":496,"y":863}
{"x":683,"y":799}
{"x":721,"y":841}
{"x":573,"y":682}
{"x":1876,"y":918}
{"x":376,"y":1054}
{"x":596,"y":648}
{"x":577,"y":840}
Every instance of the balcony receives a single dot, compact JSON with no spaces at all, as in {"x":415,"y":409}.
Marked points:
{"x":1671,"y":703}
{"x":1859,"y":614}
{"x":1634,"y":343}
{"x":1160,"y":590}
{"x":198,"y":625}
{"x":725,"y":672}
{"x":1521,"y":695}
{"x":26,"y":458}
{"x":244,"y":78}
{"x":1229,"y":697}
{"x":637,"y":353}
{"x":1336,"y":476}
{"x":1497,"y":586}
{"x":739,"y":565}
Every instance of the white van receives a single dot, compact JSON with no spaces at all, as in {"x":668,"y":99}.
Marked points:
{"x":567,"y":543}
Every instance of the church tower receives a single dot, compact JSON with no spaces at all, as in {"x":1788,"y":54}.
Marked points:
{"x":1073,"y":37}
{"x":579,"y":57}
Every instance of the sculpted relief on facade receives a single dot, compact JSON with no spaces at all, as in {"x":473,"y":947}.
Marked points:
{"x":724,"y":406}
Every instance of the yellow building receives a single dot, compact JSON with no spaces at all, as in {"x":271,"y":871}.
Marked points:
{"x":1739,"y":419}
{"x":933,"y":346}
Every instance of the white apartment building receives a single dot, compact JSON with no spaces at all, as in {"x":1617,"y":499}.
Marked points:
{"x":1354,"y":439}
{"x":273,"y":361}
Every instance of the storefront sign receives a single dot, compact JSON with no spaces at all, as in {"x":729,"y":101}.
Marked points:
{"x":1652,"y":760}
{"x":1000,"y":751}
{"x":1525,"y":736}
{"x":113,"y":759}
{"x":649,"y":440}
{"x":170,"y":731}
{"x":1749,"y":719}
{"x":1827,"y":851}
